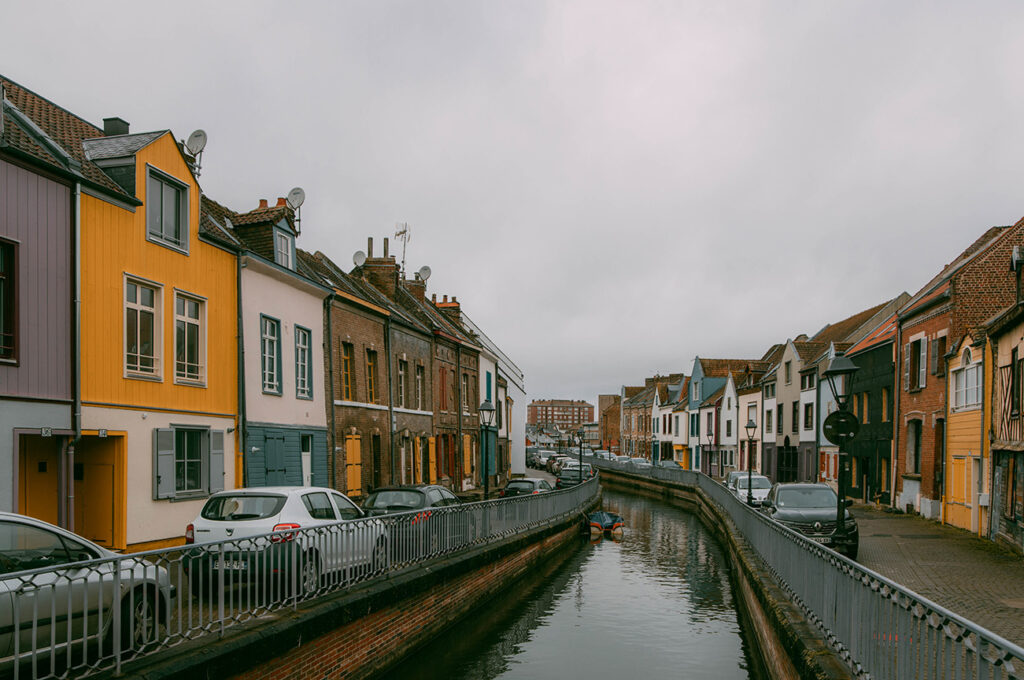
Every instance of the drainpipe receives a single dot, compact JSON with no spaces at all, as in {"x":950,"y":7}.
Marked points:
{"x":329,"y":394}
{"x":240,"y":436}
{"x":897,"y":391}
{"x":76,"y":362}
{"x":391,"y":396}
{"x":458,"y":409}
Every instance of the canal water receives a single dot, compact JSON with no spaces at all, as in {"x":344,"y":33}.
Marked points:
{"x":657,"y":604}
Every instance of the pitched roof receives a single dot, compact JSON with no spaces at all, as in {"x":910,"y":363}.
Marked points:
{"x":720,"y":368}
{"x":841,"y":330}
{"x":119,"y":146}
{"x":886,"y":332}
{"x":808,"y":351}
{"x":715,"y":396}
{"x":774,"y":353}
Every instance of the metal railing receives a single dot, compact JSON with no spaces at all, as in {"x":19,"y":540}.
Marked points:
{"x":881,"y":629}
{"x":95,"y":615}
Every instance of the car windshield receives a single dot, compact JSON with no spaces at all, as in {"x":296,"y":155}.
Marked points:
{"x":241,"y":507}
{"x":755,"y":483}
{"x":394,"y":498}
{"x":807,"y":497}
{"x":524,"y":486}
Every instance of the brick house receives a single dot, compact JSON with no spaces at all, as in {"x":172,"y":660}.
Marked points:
{"x":629,"y":428}
{"x":965,"y":293}
{"x":609,"y":408}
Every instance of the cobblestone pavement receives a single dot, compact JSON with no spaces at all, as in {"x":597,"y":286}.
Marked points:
{"x":970,"y":576}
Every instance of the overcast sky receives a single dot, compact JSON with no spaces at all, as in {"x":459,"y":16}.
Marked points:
{"x":609,"y":188}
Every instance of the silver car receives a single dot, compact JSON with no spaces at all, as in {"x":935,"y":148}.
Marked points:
{"x":60,"y":592}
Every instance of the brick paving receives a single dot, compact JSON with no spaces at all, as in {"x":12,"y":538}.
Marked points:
{"x":970,"y":576}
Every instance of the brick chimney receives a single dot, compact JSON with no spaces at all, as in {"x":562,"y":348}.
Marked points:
{"x":453,"y":310}
{"x":115,"y":126}
{"x":263,"y":203}
{"x":281,"y":202}
{"x":416,"y":286}
{"x":381,"y":272}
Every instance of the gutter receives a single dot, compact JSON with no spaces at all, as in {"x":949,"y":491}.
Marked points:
{"x":241,"y":371}
{"x":392,"y":425}
{"x":76,"y":361}
{"x":332,"y":443}
{"x":458,"y":409}
{"x":897,"y":402}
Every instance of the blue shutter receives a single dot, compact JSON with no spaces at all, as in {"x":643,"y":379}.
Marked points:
{"x":163,"y":463}
{"x":216,"y":462}
{"x":488,"y":385}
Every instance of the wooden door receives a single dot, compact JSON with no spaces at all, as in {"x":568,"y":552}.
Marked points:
{"x":39,"y":485}
{"x":353,"y":465}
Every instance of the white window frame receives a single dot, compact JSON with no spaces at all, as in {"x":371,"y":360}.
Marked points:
{"x":401,"y":382}
{"x":967,"y":396}
{"x":284,"y":256}
{"x":420,"y":371}
{"x":270,"y":355}
{"x":156,"y":310}
{"x":181,"y":243}
{"x":200,"y":322}
{"x":303,"y":362}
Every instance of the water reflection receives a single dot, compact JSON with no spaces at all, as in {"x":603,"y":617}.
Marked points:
{"x":657,"y":603}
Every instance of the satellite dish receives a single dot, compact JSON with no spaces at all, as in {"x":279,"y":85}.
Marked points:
{"x":196,"y":142}
{"x":359,"y":258}
{"x":296,"y":197}
{"x":424,"y":272}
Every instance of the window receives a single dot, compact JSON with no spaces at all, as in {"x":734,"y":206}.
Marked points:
{"x":915,"y":363}
{"x":796,"y":415}
{"x":141,"y":324}
{"x":465,"y":392}
{"x":768,"y":422}
{"x":711,"y":423}
{"x":8,"y":298}
{"x":807,"y":381}
{"x":284,"y":248}
{"x":728,"y":403}
{"x":270,"y":353}
{"x":751,"y":413}
{"x":728,"y":428}
{"x":403,"y":370}
{"x":864,"y":408}
{"x":808,"y":416}
{"x":677,"y":424}
{"x":318,"y":505}
{"x":1014,"y":383}
{"x":419,"y":387}
{"x":938,"y":356}
{"x":166,"y":210}
{"x":347,"y":361}
{"x":780,"y":427}
{"x":188,"y":460}
{"x":189,"y":340}
{"x":442,"y":388}
{"x":303,"y":363}
{"x":885,"y":405}
{"x":789,"y":372}
{"x":967,"y":383}
{"x":371,"y":376}
{"x":769,"y":391}
{"x":914,"y":446}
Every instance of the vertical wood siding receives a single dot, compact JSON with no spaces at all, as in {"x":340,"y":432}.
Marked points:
{"x":36,"y":212}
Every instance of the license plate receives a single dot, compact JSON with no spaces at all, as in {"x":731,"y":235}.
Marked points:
{"x":236,"y":565}
{"x":821,"y":539}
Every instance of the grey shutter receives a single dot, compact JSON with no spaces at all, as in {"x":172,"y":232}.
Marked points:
{"x":923,"y":365}
{"x":906,"y":367}
{"x":216,"y":461}
{"x":163,"y":463}
{"x":935,"y":358}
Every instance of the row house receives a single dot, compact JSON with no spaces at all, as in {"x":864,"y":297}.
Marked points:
{"x":709,"y":417}
{"x":636,"y":420}
{"x":707,"y":377}
{"x":681,"y":426}
{"x":667,"y":395}
{"x":747,"y":389}
{"x":609,"y":420}
{"x":156,"y":402}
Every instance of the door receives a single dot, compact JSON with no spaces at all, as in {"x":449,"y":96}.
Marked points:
{"x":276,"y":471}
{"x":39,"y":479}
{"x":306,"y":454}
{"x":95,"y":496}
{"x":431,"y":453}
{"x":353,"y":465}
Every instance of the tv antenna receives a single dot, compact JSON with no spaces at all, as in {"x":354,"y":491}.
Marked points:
{"x":195,"y":144}
{"x":402,"y":234}
{"x":296,"y":197}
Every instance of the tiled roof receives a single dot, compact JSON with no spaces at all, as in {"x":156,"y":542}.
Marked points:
{"x":720,"y":368}
{"x":269,"y":215}
{"x":119,"y":146}
{"x":840,"y":330}
{"x":632,"y":391}
{"x":215,"y":221}
{"x":883,"y":334}
{"x":809,"y":351}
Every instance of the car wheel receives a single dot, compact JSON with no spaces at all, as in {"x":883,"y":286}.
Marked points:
{"x":140,"y":622}
{"x":380,"y":556}
{"x":309,"y":575}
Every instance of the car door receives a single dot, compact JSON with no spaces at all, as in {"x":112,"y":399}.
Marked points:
{"x":356,"y":540}
{"x":327,"y":541}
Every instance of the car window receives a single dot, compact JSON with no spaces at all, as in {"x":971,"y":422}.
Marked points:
{"x":27,"y":547}
{"x":525,"y":486}
{"x":545,"y":485}
{"x":242,"y":507}
{"x":395,"y":499}
{"x":807,"y":497}
{"x":434,"y":497}
{"x":318,"y":505}
{"x":346,"y":508}
{"x":450,"y":498}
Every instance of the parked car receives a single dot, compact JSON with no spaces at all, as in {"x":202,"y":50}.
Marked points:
{"x":621,"y":459}
{"x":249,"y":519}
{"x":640,"y":463}
{"x":525,"y":486}
{"x":71,"y":604}
{"x":759,"y":488}
{"x":571,"y":475}
{"x":671,"y":464}
{"x":391,"y":499}
{"x":811,"y":510}
{"x":555,"y":462}
{"x":541,"y":462}
{"x":730,"y":479}
{"x":602,"y":454}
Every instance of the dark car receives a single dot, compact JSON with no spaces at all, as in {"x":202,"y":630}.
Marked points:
{"x":419,"y":527}
{"x":525,"y":487}
{"x":571,"y":475}
{"x":388,"y":500}
{"x":811,"y":510}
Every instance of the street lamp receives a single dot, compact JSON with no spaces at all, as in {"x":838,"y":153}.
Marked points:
{"x":579,"y":440}
{"x":486,"y":420}
{"x":751,"y":428}
{"x":843,"y":425}
{"x":711,"y":437}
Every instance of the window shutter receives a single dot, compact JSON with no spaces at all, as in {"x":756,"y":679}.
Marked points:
{"x":923,"y":365}
{"x":940,"y":360}
{"x":906,"y":367}
{"x":216,"y":461}
{"x":935,"y":357}
{"x":163,"y":463}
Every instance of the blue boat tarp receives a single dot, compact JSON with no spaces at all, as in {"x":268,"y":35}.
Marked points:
{"x":605,"y":521}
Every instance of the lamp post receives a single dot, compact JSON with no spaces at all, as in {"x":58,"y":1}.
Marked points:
{"x":579,"y":441}
{"x":711,"y":438}
{"x":486,"y":420}
{"x":842,"y":425}
{"x":751,"y":428}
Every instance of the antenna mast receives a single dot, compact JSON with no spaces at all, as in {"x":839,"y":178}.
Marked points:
{"x":402,"y":234}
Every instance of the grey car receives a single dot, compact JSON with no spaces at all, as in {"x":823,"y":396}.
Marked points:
{"x":59,"y":591}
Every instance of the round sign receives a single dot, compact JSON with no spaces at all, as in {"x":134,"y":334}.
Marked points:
{"x":840,"y":426}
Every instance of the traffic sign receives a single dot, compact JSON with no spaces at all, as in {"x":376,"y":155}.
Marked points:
{"x":841,"y":426}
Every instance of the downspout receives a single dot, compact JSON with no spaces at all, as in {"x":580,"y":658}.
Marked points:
{"x":391,"y":396}
{"x":241,"y":372}
{"x":458,"y":410}
{"x":76,"y":361}
{"x":897,"y":390}
{"x":332,"y":442}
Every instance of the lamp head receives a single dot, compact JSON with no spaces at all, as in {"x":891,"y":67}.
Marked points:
{"x":486,"y":413}
{"x":751,"y":428}
{"x":840,"y":378}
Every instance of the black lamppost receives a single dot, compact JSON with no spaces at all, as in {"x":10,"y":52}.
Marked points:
{"x":751,"y":428}
{"x":711,"y":438}
{"x":840,"y":378}
{"x":579,"y":441}
{"x":486,"y":420}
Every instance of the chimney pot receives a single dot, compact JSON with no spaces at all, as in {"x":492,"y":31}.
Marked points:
{"x":263,"y":203}
{"x":385,"y":246}
{"x":433,"y":298}
{"x":281,"y":202}
{"x":455,"y":299}
{"x":115,"y":126}
{"x":369,"y":246}
{"x":445,"y":299}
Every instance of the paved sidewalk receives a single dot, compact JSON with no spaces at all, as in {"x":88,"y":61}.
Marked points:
{"x":970,"y":576}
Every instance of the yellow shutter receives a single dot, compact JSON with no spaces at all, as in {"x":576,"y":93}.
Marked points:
{"x":467,"y":456}
{"x":354,"y":465}
{"x":417,"y":466}
{"x":432,"y":472}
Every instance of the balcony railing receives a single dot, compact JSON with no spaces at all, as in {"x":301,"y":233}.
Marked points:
{"x":96,"y":615}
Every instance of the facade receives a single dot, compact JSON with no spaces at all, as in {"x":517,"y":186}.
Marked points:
{"x":710,"y":416}
{"x":769,"y":423}
{"x":748,"y":398}
{"x":728,"y":427}
{"x":707,"y":377}
{"x":609,"y":420}
{"x":795,"y":459}
{"x":967,"y":464}
{"x":565,"y":414}
{"x":1006,"y":335}
{"x":630,"y":430}
{"x":681,"y":426}
{"x":967,"y":292}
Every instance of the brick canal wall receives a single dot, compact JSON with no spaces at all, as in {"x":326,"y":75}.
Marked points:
{"x":789,"y":645}
{"x":362,"y":632}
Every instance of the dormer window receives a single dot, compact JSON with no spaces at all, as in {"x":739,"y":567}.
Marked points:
{"x":284,"y":249}
{"x":166,"y":210}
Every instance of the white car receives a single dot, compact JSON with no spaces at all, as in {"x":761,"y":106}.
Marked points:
{"x":759,"y":488}
{"x":283,"y":535}
{"x":638,"y":462}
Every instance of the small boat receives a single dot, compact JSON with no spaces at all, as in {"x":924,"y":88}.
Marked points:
{"x":605,"y":522}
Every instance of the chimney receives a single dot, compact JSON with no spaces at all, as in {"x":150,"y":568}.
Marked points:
{"x":381,"y":272}
{"x":115,"y":126}
{"x":417,"y":287}
{"x":369,"y":247}
{"x":281,"y":203}
{"x":385,"y":246}
{"x":453,"y":310}
{"x":263,"y":203}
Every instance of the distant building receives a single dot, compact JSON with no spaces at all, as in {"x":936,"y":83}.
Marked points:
{"x":560,"y":413}
{"x":609,"y":420}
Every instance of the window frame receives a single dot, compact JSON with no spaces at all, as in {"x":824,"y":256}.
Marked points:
{"x":371,"y":376}
{"x":420,"y":379}
{"x":300,"y":373}
{"x":967,"y":397}
{"x":348,"y":358}
{"x":154,"y":173}
{"x":157,"y":309}
{"x":289,"y":239}
{"x":277,"y":389}
{"x":9,"y":303}
{"x":199,"y":381}
{"x":808,"y":416}
{"x":403,"y":371}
